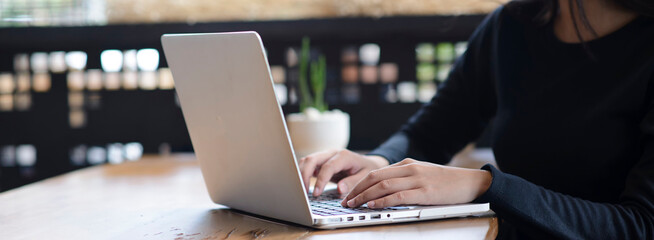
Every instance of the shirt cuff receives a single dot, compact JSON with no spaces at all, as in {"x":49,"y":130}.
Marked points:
{"x":394,"y":149}
{"x":390,"y":155}
{"x":496,"y":189}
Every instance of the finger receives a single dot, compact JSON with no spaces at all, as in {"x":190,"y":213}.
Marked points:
{"x":378,"y":175}
{"x":347,"y":183}
{"x":344,"y":187}
{"x":383,"y":188}
{"x":334,"y":165}
{"x":307,"y":167}
{"x":405,"y":162}
{"x":309,"y":164}
{"x":408,"y":197}
{"x":321,"y":155}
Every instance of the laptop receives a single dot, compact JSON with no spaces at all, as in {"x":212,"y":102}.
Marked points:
{"x":240,"y":137}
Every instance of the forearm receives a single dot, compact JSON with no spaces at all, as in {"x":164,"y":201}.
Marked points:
{"x":438,"y":148}
{"x":394,"y":149}
{"x":538,"y":211}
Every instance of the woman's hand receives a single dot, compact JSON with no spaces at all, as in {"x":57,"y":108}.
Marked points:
{"x":412,"y":182}
{"x":342,"y":166}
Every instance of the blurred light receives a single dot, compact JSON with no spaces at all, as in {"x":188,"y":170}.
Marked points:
{"x":7,"y":84}
{"x":75,"y":100}
{"x":115,"y":153}
{"x":166,"y":81}
{"x":369,"y":53}
{"x":23,"y":101}
{"x":390,"y":94}
{"x":23,"y":82}
{"x":22,"y":62}
{"x":77,"y":118}
{"x":425,"y":72}
{"x":25,"y":155}
{"x":425,"y":52}
{"x":94,"y":79}
{"x":443,"y":71}
{"x":96,"y":155}
{"x":369,"y":74}
{"x":278,"y":74}
{"x":460,"y":48}
{"x":292,"y":96}
{"x":406,"y":92}
{"x":57,"y":62}
{"x":111,"y":60}
{"x":426,"y":92}
{"x":130,"y":80}
{"x":165,"y":149}
{"x":148,"y":80}
{"x":78,"y":155}
{"x":76,"y":60}
{"x":133,"y":151}
{"x":75,"y":81}
{"x":389,"y":72}
{"x":291,"y":57}
{"x":41,"y":82}
{"x":129,"y":60}
{"x":112,"y":81}
{"x":8,"y":156}
{"x":350,"y":73}
{"x":147,"y":59}
{"x":445,"y":52}
{"x":39,"y":62}
{"x":6,"y":102}
{"x":281,"y":92}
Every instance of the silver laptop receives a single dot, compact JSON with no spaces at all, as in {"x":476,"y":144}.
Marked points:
{"x":241,"y":140}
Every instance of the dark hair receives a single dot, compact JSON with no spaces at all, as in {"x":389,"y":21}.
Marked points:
{"x":543,"y":12}
{"x":642,"y":7}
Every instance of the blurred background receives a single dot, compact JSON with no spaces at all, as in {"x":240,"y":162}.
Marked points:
{"x":85,"y":82}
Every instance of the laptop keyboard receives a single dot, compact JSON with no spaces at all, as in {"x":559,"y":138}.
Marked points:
{"x":329,"y":204}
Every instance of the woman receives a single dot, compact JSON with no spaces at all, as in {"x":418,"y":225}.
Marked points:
{"x":569,"y":85}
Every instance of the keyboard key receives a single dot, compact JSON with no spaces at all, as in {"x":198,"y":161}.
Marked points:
{"x":330,"y":204}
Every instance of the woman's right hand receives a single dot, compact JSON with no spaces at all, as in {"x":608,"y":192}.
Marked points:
{"x":344,"y":167}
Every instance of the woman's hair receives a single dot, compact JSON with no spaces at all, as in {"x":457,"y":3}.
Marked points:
{"x":643,"y":7}
{"x":542,"y":12}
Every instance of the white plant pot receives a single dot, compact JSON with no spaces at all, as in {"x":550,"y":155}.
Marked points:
{"x":313,"y":131}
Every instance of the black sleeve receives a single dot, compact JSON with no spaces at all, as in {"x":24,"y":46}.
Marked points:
{"x":457,"y":114}
{"x":540,"y":212}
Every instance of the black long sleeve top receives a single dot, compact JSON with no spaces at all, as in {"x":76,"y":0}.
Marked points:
{"x":572,"y":132}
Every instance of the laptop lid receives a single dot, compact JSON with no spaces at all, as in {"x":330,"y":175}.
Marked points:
{"x":236,"y":124}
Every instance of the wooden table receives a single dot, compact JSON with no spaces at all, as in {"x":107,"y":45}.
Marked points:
{"x":163,"y":197}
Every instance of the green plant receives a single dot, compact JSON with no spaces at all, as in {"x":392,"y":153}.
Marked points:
{"x":318,"y":78}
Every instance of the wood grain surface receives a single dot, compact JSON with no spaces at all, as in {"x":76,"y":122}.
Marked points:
{"x":164,"y":197}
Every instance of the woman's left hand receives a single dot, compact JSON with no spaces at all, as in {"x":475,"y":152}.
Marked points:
{"x":412,"y":182}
